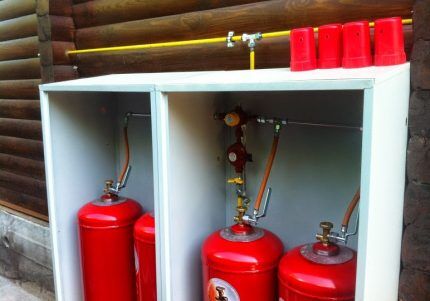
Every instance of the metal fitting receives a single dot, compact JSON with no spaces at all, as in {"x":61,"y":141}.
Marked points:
{"x":133,"y":114}
{"x":256,"y":215}
{"x":343,"y":236}
{"x":230,"y":42}
{"x":324,"y":237}
{"x":263,"y":120}
{"x":251,"y":39}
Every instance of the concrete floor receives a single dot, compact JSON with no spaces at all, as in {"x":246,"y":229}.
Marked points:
{"x":11,"y":290}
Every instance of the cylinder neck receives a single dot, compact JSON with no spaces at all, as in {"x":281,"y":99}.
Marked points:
{"x":325,"y":249}
{"x":242,"y":229}
{"x":109,"y":197}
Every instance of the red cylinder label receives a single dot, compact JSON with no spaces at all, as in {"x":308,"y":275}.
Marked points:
{"x":220,"y":290}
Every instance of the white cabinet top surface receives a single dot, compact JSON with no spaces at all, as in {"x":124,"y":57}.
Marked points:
{"x":243,"y":80}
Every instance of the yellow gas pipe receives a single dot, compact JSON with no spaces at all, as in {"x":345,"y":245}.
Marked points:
{"x":198,"y":42}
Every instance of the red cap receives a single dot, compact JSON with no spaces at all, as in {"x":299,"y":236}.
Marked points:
{"x":144,"y":228}
{"x":330,"y":46}
{"x":389,"y":42}
{"x":303,"y":53}
{"x":356,"y":45}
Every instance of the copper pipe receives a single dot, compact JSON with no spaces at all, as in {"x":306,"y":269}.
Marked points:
{"x":127,"y":155}
{"x":351,"y":208}
{"x":266,"y":173}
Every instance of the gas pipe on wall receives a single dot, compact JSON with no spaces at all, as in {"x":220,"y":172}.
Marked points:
{"x":323,"y":270}
{"x":240,"y":262}
{"x":106,"y":239}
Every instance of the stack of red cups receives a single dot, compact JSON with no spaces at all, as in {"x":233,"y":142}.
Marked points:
{"x":348,"y":46}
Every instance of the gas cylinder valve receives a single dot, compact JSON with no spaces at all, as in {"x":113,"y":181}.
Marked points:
{"x":329,"y":236}
{"x":325,"y":236}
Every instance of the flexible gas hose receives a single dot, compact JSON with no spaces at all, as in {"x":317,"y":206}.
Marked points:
{"x":127,"y":155}
{"x":266,"y":173}
{"x":351,"y":207}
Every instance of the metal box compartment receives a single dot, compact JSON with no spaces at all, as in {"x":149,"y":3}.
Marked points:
{"x":315,"y":174}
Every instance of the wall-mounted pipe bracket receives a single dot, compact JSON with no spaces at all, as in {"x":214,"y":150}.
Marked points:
{"x":230,"y":41}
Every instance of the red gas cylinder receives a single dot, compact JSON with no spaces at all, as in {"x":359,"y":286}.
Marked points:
{"x":318,"y":272}
{"x":144,"y":237}
{"x":240,"y":263}
{"x":107,"y":253}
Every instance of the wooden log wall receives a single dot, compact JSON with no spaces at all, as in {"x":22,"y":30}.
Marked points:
{"x":22,"y":177}
{"x":33,"y":37}
{"x":415,"y":277}
{"x":56,"y":35}
{"x":102,"y":23}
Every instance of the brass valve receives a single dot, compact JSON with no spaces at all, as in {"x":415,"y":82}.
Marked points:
{"x":108,"y":186}
{"x":324,"y":237}
{"x":241,"y":210}
{"x":237,"y":181}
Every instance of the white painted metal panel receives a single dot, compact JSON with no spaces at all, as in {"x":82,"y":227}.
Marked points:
{"x":196,"y":188}
{"x":261,"y":79}
{"x":83,"y":148}
{"x":383,"y":182}
{"x":71,"y":183}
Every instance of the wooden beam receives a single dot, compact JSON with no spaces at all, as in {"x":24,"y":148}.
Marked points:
{"x":62,"y":29}
{"x":60,"y":7}
{"x":55,"y":28}
{"x":19,"y":49}
{"x":30,"y":149}
{"x":270,"y":53}
{"x":24,"y":203}
{"x":28,"y":129}
{"x":29,"y":186}
{"x":59,"y":50}
{"x":20,"y":109}
{"x":20,"y":89}
{"x":260,"y":17}
{"x":22,"y":166}
{"x":57,"y":73}
{"x":101,"y":12}
{"x":54,"y":53}
{"x":80,"y":1}
{"x":10,"y":9}
{"x":20,"y":69}
{"x":21,"y":27}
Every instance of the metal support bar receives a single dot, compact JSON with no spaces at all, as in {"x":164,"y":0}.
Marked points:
{"x":132,"y":114}
{"x":285,"y":121}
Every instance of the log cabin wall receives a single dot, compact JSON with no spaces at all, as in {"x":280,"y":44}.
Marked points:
{"x":102,"y":23}
{"x":22,"y":176}
{"x":56,"y":35}
{"x":415,"y":277}
{"x":33,"y":34}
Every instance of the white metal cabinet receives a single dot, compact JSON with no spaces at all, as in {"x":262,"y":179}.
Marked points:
{"x":189,"y":171}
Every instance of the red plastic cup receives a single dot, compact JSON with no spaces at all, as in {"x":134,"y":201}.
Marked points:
{"x":330,"y":46}
{"x":356,"y":45}
{"x":303,"y":52}
{"x":389,"y":42}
